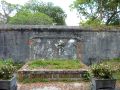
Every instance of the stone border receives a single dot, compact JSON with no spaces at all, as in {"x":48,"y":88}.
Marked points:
{"x":52,"y":74}
{"x":58,"y":28}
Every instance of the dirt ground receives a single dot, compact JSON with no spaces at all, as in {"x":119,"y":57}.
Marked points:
{"x":58,"y":86}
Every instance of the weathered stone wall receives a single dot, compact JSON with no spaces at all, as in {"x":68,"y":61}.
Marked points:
{"x":13,"y":44}
{"x":101,"y":45}
{"x":91,"y":46}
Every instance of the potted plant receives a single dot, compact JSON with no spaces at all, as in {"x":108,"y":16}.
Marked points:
{"x":102,"y":77}
{"x":7,"y":77}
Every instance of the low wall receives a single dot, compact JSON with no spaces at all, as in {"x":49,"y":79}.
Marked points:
{"x":52,"y":75}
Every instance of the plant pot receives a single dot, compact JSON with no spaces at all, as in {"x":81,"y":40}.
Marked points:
{"x":103,"y":84}
{"x":8,"y":84}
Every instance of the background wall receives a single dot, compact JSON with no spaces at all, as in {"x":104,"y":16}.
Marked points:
{"x":90,"y":46}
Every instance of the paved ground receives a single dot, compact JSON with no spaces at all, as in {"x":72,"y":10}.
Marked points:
{"x":54,"y":86}
{"x":57,"y":86}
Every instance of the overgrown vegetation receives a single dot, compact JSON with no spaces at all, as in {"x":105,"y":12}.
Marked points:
{"x":10,"y":62}
{"x":115,"y":66}
{"x":56,"y":64}
{"x":7,"y":69}
{"x":112,"y":69}
{"x":101,"y":71}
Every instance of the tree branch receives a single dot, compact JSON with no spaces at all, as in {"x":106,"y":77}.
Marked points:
{"x":109,"y":19}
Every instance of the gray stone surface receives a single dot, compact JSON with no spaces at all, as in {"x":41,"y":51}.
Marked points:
{"x":16,"y":42}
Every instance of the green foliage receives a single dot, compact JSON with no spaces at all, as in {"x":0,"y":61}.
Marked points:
{"x":26,"y":17}
{"x":114,"y":64}
{"x":108,"y":11}
{"x":10,"y":61}
{"x":101,"y":71}
{"x":56,"y":64}
{"x":6,"y":61}
{"x":86,"y":76}
{"x":91,"y":22}
{"x":55,"y":12}
{"x":6,"y":71}
{"x":7,"y":68}
{"x":115,"y":20}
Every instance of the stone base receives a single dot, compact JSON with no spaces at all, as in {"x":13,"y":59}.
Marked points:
{"x":103,"y":84}
{"x":52,"y":75}
{"x":8,"y":84}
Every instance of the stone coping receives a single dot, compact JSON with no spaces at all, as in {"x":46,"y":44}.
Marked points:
{"x":57,"y":28}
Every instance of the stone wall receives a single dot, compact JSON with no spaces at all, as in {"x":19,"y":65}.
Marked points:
{"x":52,"y":75}
{"x":18,"y":42}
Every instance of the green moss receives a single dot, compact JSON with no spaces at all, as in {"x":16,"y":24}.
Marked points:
{"x":101,"y":27}
{"x":56,"y":64}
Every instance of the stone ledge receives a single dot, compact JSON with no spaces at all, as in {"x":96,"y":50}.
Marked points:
{"x":59,"y":28}
{"x":51,"y":74}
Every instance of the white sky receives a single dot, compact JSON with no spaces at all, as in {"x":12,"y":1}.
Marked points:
{"x":71,"y":20}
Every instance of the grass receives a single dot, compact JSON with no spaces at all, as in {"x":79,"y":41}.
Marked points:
{"x":56,"y":64}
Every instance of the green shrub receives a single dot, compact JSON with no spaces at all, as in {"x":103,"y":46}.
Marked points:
{"x":86,"y":76}
{"x":101,"y":71}
{"x":7,"y":71}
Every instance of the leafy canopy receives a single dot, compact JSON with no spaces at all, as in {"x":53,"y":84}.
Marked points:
{"x":49,"y":9}
{"x":29,"y":18}
{"x":40,"y":13}
{"x":108,"y":11}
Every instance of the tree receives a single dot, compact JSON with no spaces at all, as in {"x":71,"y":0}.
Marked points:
{"x":6,"y":10}
{"x":26,"y":17}
{"x":49,"y":9}
{"x":107,"y":11}
{"x":91,"y":22}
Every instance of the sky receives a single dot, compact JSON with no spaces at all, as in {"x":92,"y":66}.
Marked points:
{"x":72,"y":18}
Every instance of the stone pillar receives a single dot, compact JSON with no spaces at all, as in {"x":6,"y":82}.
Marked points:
{"x":79,"y":50}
